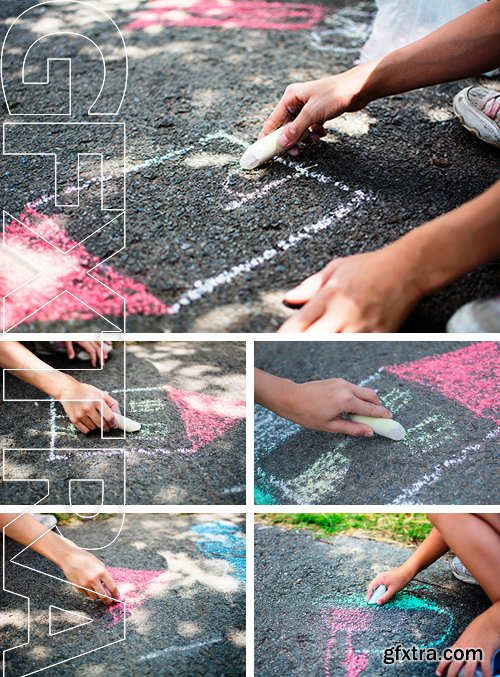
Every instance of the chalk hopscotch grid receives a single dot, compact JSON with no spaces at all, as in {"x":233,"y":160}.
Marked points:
{"x":207,"y":286}
{"x":331,"y":468}
{"x":53,"y":456}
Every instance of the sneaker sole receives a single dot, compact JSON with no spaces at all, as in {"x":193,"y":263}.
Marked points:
{"x":464,"y":579}
{"x":473,"y":130}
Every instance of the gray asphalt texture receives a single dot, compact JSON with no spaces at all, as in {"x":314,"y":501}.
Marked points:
{"x":303,"y":586}
{"x":415,"y":161}
{"x":449,"y":455}
{"x":158,"y":469}
{"x":190,"y":624}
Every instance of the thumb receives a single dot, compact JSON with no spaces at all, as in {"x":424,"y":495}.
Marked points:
{"x":305,"y":291}
{"x":293,"y":132}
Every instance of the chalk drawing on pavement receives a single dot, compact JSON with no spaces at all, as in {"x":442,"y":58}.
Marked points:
{"x":469,"y":376}
{"x":136,"y":586}
{"x":222,"y":540}
{"x":239,"y":14}
{"x":205,"y":417}
{"x":138,"y":299}
{"x":350,"y":617}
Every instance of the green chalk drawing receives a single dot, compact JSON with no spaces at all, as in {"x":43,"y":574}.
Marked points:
{"x":262,"y":498}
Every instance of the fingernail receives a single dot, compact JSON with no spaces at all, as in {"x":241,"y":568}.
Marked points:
{"x":368,"y":433}
{"x":284,"y":141}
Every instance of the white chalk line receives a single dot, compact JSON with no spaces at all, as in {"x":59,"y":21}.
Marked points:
{"x":235,"y":490}
{"x":176,"y":649}
{"x":427,"y":479}
{"x":208,"y":285}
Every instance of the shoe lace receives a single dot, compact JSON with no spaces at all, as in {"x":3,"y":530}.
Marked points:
{"x":492,"y":105}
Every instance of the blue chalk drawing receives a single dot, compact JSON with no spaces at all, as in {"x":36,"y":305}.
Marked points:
{"x":220,"y":540}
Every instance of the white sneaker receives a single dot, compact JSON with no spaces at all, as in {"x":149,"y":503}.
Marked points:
{"x":460,"y":572}
{"x":478,"y":109}
{"x":476,"y":317}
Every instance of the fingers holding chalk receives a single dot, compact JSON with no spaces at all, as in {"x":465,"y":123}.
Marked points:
{"x":377,"y":594}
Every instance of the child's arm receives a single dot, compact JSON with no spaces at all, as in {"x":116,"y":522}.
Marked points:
{"x":319,"y":404}
{"x":376,"y":291}
{"x":85,"y":409}
{"x":466,"y":46}
{"x":79,"y":566}
{"x":395,"y":580}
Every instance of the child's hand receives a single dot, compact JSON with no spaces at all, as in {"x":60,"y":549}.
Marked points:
{"x":483,"y":633}
{"x":96,"y":350}
{"x":320,"y":404}
{"x":85,"y":411}
{"x":371,"y":292}
{"x":84,"y":569}
{"x":394,"y":580}
{"x":311,"y":104}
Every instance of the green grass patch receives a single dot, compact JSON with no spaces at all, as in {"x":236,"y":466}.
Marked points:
{"x":407,"y":528}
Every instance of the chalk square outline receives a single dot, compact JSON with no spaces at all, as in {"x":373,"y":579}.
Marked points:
{"x":48,"y":60}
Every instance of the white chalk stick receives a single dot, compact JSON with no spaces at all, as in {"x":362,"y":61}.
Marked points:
{"x":127,"y":424}
{"x":377,"y":594}
{"x":264,"y":149}
{"x":382,"y":426}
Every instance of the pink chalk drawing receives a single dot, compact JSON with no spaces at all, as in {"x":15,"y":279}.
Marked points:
{"x":43,"y":299}
{"x":206,"y":417}
{"x":136,"y":586}
{"x":469,"y":375}
{"x":347,"y":621}
{"x":250,"y":14}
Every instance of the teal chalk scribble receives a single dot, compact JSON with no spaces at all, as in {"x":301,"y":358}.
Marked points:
{"x":402,"y":601}
{"x":220,"y":540}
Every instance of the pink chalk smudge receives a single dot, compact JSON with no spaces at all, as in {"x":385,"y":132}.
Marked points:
{"x":205,"y":417}
{"x":62,"y":273}
{"x":249,"y":14}
{"x":348,"y":621}
{"x":469,"y":375}
{"x":136,"y":587}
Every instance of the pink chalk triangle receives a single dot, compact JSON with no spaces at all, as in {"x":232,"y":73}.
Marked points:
{"x":136,"y":586}
{"x":206,"y":417}
{"x":469,"y":376}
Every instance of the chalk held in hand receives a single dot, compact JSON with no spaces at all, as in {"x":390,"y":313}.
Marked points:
{"x":381,"y":590}
{"x":264,"y":149}
{"x":382,"y":426}
{"x":127,"y":424}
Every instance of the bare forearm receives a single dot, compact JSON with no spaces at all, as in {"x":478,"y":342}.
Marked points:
{"x":452,"y":245}
{"x":26,"y":530}
{"x":464,"y":47}
{"x":426,"y":554}
{"x":29,"y":368}
{"x":271,"y":391}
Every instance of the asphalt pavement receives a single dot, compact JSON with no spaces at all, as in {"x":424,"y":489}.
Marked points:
{"x":209,"y":246}
{"x":182,"y":579}
{"x":444,"y":393}
{"x":312,"y":618}
{"x":189,"y":398}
